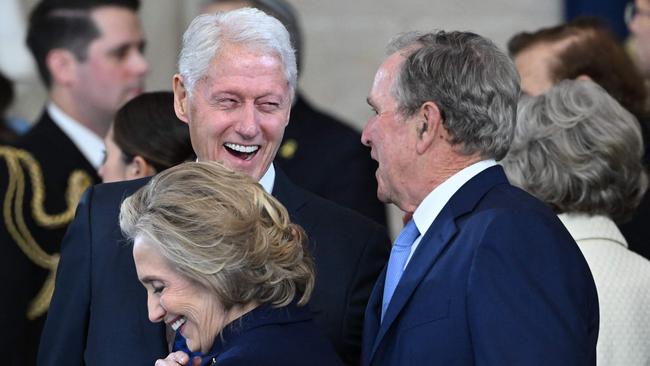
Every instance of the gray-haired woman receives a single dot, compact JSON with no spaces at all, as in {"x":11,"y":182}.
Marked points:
{"x":579,"y":151}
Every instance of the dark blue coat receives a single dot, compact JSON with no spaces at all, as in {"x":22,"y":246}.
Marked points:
{"x":285,"y":336}
{"x":496,"y":280}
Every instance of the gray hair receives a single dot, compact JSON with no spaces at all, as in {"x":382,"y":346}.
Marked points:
{"x":208,"y":33}
{"x":578,"y":150}
{"x":282,"y":11}
{"x":475,"y":85}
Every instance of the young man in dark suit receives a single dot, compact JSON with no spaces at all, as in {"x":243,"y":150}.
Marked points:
{"x":483,"y":273}
{"x":89,"y":56}
{"x":236,"y":82}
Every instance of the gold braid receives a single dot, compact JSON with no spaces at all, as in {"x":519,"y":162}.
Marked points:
{"x":16,"y":226}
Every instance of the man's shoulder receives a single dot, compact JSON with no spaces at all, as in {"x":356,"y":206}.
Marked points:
{"x":306,"y":206}
{"x":112,"y":194}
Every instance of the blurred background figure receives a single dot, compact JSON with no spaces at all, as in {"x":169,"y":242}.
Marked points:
{"x":318,"y":152}
{"x":585,"y":49}
{"x":578,"y":150}
{"x":145,"y":138}
{"x":222,"y":263}
{"x":637,"y":17}
{"x":89,"y":56}
{"x":7,"y":134}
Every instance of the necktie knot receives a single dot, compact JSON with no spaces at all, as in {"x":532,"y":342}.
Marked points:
{"x":408,"y":235}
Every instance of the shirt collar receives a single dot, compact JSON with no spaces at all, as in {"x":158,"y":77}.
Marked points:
{"x":434,"y":202}
{"x":90,"y":145}
{"x":268,"y":179}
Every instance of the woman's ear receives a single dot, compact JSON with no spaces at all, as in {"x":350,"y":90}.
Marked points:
{"x":139,"y":168}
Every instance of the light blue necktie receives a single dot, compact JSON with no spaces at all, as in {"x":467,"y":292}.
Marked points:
{"x":398,"y":256}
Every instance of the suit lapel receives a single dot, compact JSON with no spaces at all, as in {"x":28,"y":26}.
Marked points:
{"x":433,"y":243}
{"x":371,"y":319}
{"x":290,"y":195}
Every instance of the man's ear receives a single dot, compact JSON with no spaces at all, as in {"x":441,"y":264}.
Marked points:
{"x":139,"y":168}
{"x":181,"y":98}
{"x":428,"y":123}
{"x":62,"y":65}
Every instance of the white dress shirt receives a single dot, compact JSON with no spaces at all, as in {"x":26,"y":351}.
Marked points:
{"x":268,"y":179}
{"x":90,"y":145}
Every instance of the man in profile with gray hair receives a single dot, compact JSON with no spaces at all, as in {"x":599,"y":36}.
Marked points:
{"x":236,"y":81}
{"x":483,"y":274}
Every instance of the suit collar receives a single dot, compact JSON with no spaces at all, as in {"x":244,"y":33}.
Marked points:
{"x":433,"y":242}
{"x":589,"y":227}
{"x":90,"y":145}
{"x":289,"y":194}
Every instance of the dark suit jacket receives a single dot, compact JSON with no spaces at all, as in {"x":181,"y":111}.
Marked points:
{"x":55,"y":157}
{"x":325,"y":156}
{"x":99,"y":310}
{"x":637,"y":230}
{"x":284,"y":336}
{"x":496,"y":280}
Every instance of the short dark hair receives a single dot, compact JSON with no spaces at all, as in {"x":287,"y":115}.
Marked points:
{"x":147,"y":126}
{"x":590,"y":48}
{"x":6,"y":94}
{"x":65,"y":24}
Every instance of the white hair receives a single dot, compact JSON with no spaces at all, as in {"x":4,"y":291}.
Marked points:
{"x":208,"y":33}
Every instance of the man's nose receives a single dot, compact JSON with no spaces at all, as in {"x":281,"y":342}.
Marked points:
{"x":139,"y":64}
{"x":249,"y":123}
{"x":365,"y":134}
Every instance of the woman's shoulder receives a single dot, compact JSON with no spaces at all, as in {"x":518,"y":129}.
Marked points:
{"x":283,"y":342}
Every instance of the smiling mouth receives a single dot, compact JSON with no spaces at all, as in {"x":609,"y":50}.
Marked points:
{"x":244,"y":152}
{"x":178,"y":323}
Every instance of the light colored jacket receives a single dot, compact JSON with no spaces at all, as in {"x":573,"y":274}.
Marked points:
{"x":623,"y":282}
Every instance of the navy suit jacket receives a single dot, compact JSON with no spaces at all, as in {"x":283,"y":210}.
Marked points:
{"x":496,"y":280}
{"x":270,"y":336}
{"x":98,"y":314}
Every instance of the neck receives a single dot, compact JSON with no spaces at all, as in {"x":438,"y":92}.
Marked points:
{"x":82,"y":113}
{"x":442,"y":168}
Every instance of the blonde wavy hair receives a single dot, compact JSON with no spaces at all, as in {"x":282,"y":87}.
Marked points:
{"x":220,"y":229}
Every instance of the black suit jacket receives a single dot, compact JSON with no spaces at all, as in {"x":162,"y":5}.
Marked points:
{"x":29,"y":252}
{"x":637,"y":230}
{"x":325,"y":156}
{"x":99,"y":310}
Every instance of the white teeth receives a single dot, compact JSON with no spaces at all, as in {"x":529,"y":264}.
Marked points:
{"x":177,"y":324}
{"x":242,"y":148}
